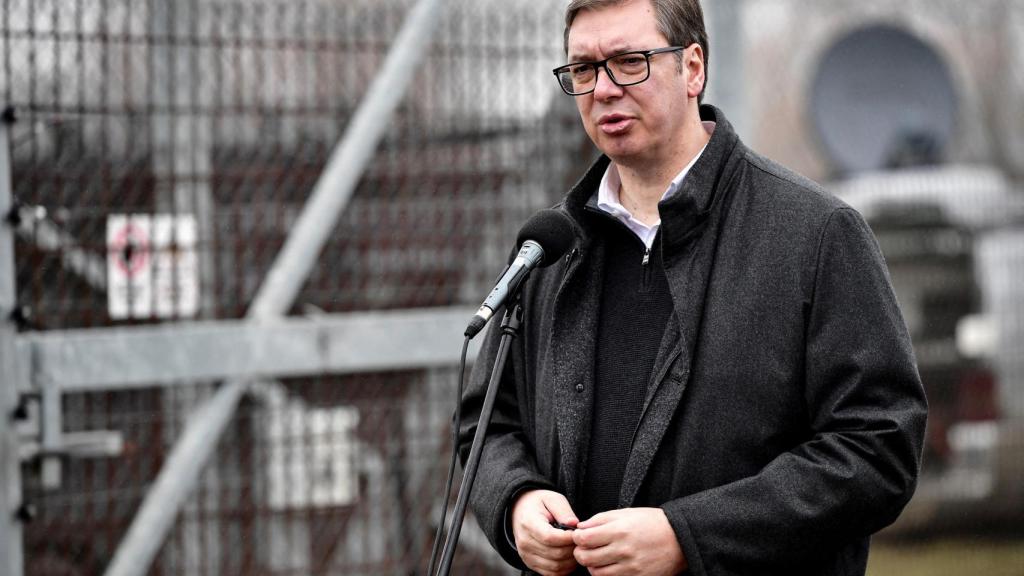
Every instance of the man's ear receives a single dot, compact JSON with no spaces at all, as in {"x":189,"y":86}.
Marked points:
{"x":693,"y":64}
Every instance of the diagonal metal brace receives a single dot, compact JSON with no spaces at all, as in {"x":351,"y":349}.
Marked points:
{"x":180,"y":473}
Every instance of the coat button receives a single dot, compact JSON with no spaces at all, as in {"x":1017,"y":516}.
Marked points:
{"x":579,"y":387}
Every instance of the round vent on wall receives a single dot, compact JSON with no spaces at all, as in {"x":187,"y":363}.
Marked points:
{"x":883,"y":99}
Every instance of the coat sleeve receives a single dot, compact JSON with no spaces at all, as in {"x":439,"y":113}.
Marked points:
{"x":507,"y":465}
{"x":866,"y":409}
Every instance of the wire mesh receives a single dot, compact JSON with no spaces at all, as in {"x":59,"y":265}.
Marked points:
{"x":336,"y":475}
{"x":225,"y":113}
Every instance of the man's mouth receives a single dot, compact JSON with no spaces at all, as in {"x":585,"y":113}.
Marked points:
{"x":614,"y":123}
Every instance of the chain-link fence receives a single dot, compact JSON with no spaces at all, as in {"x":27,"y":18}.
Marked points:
{"x":225,"y":113}
{"x":332,"y":475}
{"x":161,"y":155}
{"x":163,"y":151}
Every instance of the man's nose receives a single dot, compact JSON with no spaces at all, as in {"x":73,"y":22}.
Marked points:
{"x":604,"y":86}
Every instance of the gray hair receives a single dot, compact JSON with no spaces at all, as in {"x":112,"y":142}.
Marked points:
{"x":681,"y":22}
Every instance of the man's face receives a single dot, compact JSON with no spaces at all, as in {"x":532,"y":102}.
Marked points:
{"x":635,"y":124}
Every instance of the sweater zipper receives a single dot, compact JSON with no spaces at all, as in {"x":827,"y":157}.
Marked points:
{"x":568,"y":266}
{"x":645,"y":276}
{"x":645,"y":268}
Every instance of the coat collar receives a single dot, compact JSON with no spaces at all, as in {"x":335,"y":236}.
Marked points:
{"x":694,"y":200}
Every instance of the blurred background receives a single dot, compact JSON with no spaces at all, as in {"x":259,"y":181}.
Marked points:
{"x":234,"y":282}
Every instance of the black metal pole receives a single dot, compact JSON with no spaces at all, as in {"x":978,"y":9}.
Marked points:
{"x":509,"y":328}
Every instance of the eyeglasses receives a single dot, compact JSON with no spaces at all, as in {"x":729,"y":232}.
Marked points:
{"x":624,"y":69}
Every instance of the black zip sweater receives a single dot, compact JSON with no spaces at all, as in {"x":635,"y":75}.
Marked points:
{"x":635,"y":307}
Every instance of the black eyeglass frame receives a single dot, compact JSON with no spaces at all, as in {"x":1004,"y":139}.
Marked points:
{"x":604,"y":64}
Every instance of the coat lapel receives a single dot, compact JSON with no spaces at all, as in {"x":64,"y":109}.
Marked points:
{"x":688,"y":281}
{"x":570,"y":365}
{"x":691,"y":223}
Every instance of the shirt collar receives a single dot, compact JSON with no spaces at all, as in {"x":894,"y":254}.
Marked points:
{"x":611,"y":183}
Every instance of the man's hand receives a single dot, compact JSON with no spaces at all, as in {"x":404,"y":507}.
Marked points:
{"x":628,"y":541}
{"x":544,"y":549}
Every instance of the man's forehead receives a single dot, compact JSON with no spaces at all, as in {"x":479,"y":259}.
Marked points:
{"x":612,"y":29}
{"x":601,"y":46}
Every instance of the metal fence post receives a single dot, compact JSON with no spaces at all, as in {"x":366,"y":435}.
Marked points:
{"x":11,"y":553}
{"x":291,"y":268}
{"x":727,"y":75}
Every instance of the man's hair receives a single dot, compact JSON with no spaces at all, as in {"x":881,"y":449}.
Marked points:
{"x":681,"y":22}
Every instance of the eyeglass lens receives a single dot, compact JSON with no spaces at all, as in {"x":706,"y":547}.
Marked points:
{"x":624,"y":69}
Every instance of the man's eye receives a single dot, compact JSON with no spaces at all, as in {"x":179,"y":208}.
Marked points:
{"x":581,"y":71}
{"x":630,"y":60}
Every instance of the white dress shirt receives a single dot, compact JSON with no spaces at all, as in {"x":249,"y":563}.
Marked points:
{"x":608,"y":196}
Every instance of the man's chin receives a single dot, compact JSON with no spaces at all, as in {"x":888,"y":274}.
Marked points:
{"x":623,"y":153}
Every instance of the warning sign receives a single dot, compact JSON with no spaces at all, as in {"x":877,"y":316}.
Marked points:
{"x":152,"y":266}
{"x":175,"y":266}
{"x":129,"y":267}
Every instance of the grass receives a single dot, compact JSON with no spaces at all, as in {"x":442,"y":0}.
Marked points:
{"x":953,"y":557}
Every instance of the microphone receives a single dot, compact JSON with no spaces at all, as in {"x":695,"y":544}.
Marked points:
{"x":544,"y":238}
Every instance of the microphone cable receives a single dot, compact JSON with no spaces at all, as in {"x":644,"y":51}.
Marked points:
{"x":438,"y":536}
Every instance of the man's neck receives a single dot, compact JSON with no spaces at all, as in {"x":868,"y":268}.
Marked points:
{"x":643,"y":182}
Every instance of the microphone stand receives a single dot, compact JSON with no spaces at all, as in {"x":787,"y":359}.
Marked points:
{"x":509,"y":328}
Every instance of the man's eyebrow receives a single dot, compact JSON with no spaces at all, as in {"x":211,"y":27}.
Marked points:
{"x":580,"y":57}
{"x":585,"y":56}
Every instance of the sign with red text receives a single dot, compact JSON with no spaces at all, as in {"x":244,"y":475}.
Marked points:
{"x":152,"y":266}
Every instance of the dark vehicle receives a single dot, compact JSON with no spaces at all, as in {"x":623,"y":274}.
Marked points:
{"x":953,"y":239}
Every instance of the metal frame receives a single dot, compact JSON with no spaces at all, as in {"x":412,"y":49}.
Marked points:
{"x":177,"y":354}
{"x":727,"y":88}
{"x":11,"y":553}
{"x":45,"y":365}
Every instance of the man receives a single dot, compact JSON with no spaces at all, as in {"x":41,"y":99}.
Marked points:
{"x":716,"y":379}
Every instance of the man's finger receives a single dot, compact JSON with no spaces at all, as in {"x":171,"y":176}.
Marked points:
{"x":549,"y":560}
{"x":598,"y":519}
{"x":544,"y":566}
{"x":595,"y":536}
{"x":560,"y":509}
{"x":540,"y":536}
{"x":595,"y":557}
{"x":553,"y":537}
{"x":553,"y":553}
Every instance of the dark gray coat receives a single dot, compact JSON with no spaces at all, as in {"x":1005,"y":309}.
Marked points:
{"x":784,"y":419}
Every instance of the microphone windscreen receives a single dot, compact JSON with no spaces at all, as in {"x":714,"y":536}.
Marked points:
{"x":550,"y":228}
